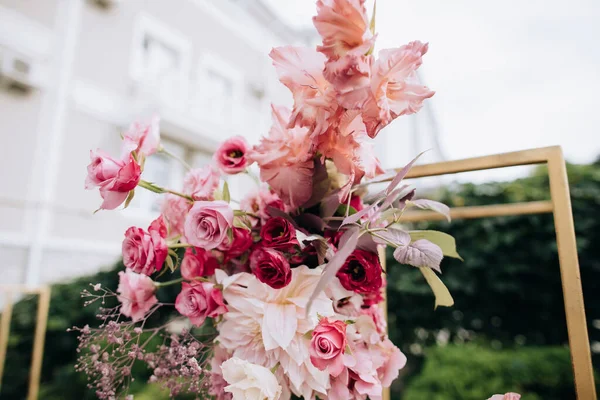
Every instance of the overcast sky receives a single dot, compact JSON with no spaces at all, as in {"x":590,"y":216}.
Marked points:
{"x":509,"y":75}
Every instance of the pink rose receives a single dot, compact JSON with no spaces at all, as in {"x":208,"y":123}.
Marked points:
{"x":207,"y":223}
{"x":174,"y":209}
{"x":143,"y":137}
{"x":327,"y":346}
{"x":199,"y":300}
{"x":201,"y":183}
{"x":115,"y":178}
{"x":145,"y":252}
{"x":241,"y":243}
{"x":270,"y":267}
{"x":231,"y":156}
{"x":198,"y":262}
{"x":136,"y":294}
{"x":278,"y":233}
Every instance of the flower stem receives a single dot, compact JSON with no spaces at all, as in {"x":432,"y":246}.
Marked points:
{"x":168,"y":153}
{"x":168,"y":283}
{"x":157,"y":189}
{"x":179,"y":246}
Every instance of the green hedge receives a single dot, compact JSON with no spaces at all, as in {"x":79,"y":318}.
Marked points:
{"x":471,"y":372}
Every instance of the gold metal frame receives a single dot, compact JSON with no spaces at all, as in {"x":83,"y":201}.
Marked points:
{"x":39,"y":336}
{"x":560,"y":206}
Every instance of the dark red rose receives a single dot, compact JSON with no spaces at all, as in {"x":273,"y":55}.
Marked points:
{"x":242,"y":241}
{"x":198,"y":262}
{"x":361,"y":272}
{"x":356,"y":203}
{"x":278,"y":233}
{"x":334,"y":236}
{"x":271,"y":267}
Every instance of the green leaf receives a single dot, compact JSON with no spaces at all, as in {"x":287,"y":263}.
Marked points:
{"x":341,"y":210}
{"x":170,"y":264}
{"x":443,"y":240}
{"x":129,"y":198}
{"x":226,"y":194}
{"x":441,"y":292}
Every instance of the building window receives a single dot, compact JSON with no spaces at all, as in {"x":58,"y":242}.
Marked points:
{"x":160,"y":61}
{"x":216,"y":96}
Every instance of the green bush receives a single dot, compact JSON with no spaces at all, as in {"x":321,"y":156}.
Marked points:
{"x":471,"y":372}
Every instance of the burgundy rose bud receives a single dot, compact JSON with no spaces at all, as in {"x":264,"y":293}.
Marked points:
{"x":241,"y":243}
{"x":361,"y":273}
{"x":278,"y":233}
{"x":198,"y":262}
{"x":270,"y":267}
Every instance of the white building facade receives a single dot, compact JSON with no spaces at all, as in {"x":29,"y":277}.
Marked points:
{"x":74,"y":73}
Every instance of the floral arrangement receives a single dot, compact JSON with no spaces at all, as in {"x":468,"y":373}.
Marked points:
{"x":280,"y":295}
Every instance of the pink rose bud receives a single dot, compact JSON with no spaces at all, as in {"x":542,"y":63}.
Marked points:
{"x":201,"y":183}
{"x":241,"y":243}
{"x":174,"y":209}
{"x":231,"y":157}
{"x":145,"y":252}
{"x":143,"y":137}
{"x":278,"y":233}
{"x":270,"y":267}
{"x":198,"y":262}
{"x":207,"y":223}
{"x":115,"y":178}
{"x":136,"y":294}
{"x":199,"y":300}
{"x":327,"y":346}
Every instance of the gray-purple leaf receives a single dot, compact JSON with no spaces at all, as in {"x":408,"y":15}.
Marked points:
{"x":421,"y":253}
{"x":401,"y":174}
{"x":330,"y":204}
{"x":356,"y":217}
{"x":402,"y":202}
{"x":434,"y":206}
{"x":276,"y":212}
{"x":393,"y":236}
{"x":348,"y":243}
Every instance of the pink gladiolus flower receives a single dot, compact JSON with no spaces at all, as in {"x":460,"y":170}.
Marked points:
{"x":285,"y":160}
{"x":174,"y":210}
{"x":201,"y":183}
{"x":395,"y":87}
{"x":199,"y":300}
{"x":207,"y":223}
{"x":115,"y":178}
{"x":301,"y":70}
{"x":395,"y":360}
{"x":198,"y":262}
{"x":136,"y":294}
{"x":328,"y":345}
{"x":351,"y":77}
{"x":143,"y":137}
{"x":231,"y":156}
{"x":145,"y":252}
{"x":344,"y":27}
